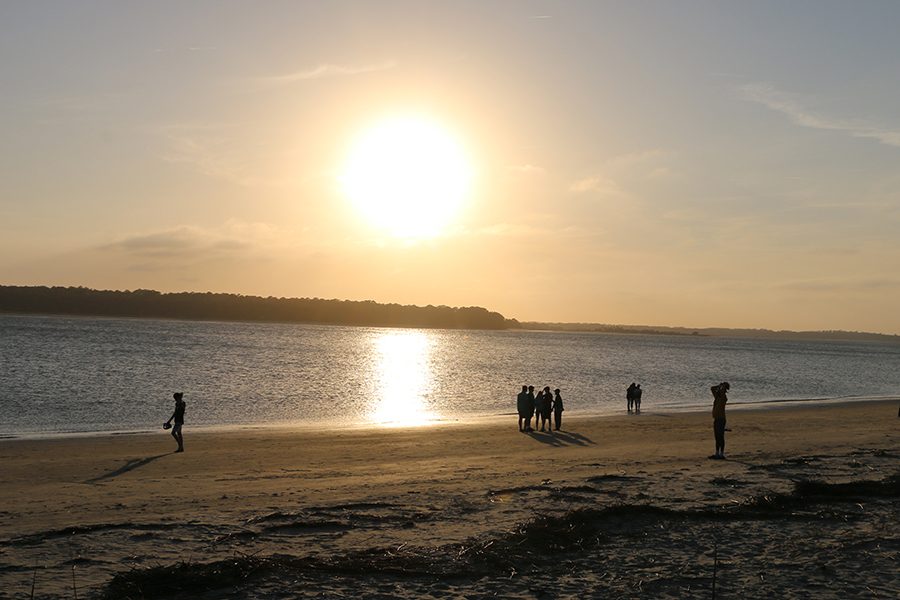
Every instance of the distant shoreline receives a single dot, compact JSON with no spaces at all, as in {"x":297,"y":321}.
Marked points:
{"x":221,"y":307}
{"x":199,"y":306}
{"x":766,"y":334}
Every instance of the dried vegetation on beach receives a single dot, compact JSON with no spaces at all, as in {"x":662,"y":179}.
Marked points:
{"x":456,"y":513}
{"x":817,"y":539}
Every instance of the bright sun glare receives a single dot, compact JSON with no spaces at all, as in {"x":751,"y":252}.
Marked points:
{"x":408,"y":176}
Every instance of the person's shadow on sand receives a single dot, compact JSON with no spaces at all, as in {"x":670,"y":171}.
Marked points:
{"x":560,"y":438}
{"x":131,"y":465}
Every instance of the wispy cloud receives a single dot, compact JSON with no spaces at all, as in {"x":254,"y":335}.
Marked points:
{"x":221,"y":151}
{"x":596,"y":184}
{"x":179,"y":242}
{"x":191,"y":244}
{"x":325,"y":70}
{"x":187,"y":48}
{"x":632,"y":159}
{"x":525,"y":169}
{"x":792,"y":106}
{"x":843,"y":286}
{"x":95,"y":103}
{"x":662,"y":173}
{"x":624,"y":167}
{"x":508,"y":230}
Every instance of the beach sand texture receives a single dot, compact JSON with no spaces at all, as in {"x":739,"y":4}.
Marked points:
{"x":807,"y":506}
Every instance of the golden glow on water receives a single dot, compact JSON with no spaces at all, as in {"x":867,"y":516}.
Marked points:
{"x":404,"y":378}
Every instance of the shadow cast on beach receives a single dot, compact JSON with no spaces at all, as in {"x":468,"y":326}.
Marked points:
{"x":131,"y":465}
{"x":561,"y":438}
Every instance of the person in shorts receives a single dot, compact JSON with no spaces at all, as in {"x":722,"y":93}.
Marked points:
{"x":178,"y":417}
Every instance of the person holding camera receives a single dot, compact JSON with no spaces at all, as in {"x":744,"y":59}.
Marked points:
{"x":720,"y":397}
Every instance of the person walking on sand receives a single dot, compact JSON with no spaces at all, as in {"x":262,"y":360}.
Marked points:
{"x":720,"y":397}
{"x":522,"y":409}
{"x":557,"y":410}
{"x":629,"y":396}
{"x":178,"y":417}
{"x":636,"y":394}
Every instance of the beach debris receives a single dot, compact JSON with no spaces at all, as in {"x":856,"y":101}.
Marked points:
{"x":571,"y":535}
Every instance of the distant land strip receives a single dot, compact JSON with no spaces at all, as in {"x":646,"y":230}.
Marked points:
{"x":150,"y":304}
{"x":208,"y":306}
{"x":835,"y":335}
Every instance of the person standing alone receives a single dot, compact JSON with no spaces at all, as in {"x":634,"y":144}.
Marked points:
{"x":178,"y":417}
{"x":720,"y":397}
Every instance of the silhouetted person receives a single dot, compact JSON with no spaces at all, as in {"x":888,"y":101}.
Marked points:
{"x":636,"y":394}
{"x":530,"y":407}
{"x":522,"y":409}
{"x":629,"y":396}
{"x":178,"y":417}
{"x":557,"y":410}
{"x":546,"y":407}
{"x":539,"y":409}
{"x":720,"y":397}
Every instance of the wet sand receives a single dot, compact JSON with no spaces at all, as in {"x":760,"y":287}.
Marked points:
{"x":806,"y":505}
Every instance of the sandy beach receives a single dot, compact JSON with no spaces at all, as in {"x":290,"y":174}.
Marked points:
{"x":806,"y":506}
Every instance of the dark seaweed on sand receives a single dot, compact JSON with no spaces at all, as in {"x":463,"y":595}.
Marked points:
{"x":810,"y":493}
{"x":568,"y":537}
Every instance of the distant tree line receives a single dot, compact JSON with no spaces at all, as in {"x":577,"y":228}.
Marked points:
{"x":828,"y":335}
{"x":234,"y":307}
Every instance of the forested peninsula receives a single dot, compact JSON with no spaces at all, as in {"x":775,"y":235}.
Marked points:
{"x":207,"y":306}
{"x":81,"y":301}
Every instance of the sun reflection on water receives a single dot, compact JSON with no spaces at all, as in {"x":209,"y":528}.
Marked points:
{"x":403,"y":378}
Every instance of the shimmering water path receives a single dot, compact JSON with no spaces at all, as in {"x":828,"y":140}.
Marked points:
{"x":61,"y":375}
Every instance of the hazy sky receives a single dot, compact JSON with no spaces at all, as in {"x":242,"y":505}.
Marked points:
{"x":685,"y":163}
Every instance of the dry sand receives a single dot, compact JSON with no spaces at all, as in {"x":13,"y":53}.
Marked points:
{"x":807,"y":506}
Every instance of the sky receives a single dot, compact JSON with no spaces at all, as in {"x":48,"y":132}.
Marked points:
{"x":697,"y":164}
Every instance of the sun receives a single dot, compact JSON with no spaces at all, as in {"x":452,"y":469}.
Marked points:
{"x":407,"y":176}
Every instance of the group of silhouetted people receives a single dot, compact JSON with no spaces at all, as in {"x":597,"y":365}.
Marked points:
{"x":633,"y":397}
{"x":542,"y":407}
{"x":545,"y":405}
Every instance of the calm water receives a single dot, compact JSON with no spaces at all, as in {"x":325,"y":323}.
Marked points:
{"x":71,"y":375}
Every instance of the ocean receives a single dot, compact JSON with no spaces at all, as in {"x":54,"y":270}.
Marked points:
{"x":62,"y":375}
